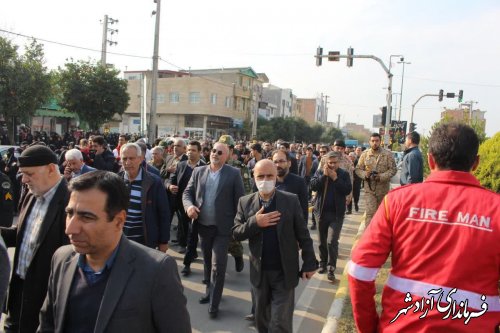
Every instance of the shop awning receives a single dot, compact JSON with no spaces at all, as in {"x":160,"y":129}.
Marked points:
{"x":53,"y":113}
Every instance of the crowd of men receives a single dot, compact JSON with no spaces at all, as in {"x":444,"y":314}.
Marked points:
{"x":95,"y":220}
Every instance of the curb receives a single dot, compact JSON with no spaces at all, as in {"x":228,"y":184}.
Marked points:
{"x":340,"y":296}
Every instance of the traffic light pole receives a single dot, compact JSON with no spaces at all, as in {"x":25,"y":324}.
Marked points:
{"x":336,"y":57}
{"x":413,"y":106}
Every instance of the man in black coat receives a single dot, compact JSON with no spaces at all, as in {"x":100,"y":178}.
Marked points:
{"x":332,"y":184}
{"x":37,"y":235}
{"x":272,"y":222}
{"x":104,"y":158}
{"x":187,"y":234}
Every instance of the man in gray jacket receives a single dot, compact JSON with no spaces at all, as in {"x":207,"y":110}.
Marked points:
{"x":211,"y":198}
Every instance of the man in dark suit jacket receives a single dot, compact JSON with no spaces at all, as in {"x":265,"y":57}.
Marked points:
{"x":272,"y":222}
{"x":176,"y":185}
{"x":148,"y":214}
{"x":105,"y":282}
{"x":211,"y":198}
{"x":37,"y":235}
{"x":332,"y":184}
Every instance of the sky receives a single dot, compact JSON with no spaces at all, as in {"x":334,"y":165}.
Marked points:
{"x":451,"y":44}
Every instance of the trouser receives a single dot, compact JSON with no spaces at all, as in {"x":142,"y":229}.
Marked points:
{"x":329,"y":227}
{"x":372,"y":201}
{"x":273,"y":303}
{"x":214,"y":247}
{"x":356,"y":191}
{"x":182,"y":227}
{"x":192,"y":243}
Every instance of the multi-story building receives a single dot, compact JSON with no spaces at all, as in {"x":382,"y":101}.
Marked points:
{"x":464,"y":114}
{"x":312,"y":110}
{"x":282,"y":98}
{"x":195,"y":103}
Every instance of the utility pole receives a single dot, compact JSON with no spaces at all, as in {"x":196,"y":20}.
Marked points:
{"x":338,"y":121}
{"x":402,"y":81}
{"x":105,"y":40}
{"x":325,"y":111}
{"x":154,"y":79}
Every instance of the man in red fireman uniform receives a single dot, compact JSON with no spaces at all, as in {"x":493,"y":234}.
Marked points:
{"x":443,"y":235}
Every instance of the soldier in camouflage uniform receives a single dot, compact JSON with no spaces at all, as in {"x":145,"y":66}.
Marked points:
{"x":376,"y":166}
{"x":346,"y":164}
{"x":235,"y":247}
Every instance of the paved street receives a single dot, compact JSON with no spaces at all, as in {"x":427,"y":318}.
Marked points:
{"x":313,"y":297}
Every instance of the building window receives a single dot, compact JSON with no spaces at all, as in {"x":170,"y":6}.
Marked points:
{"x":160,"y":98}
{"x":213,"y":99}
{"x":228,"y":102}
{"x":240,"y":79}
{"x":194,"y":97}
{"x":174,"y":97}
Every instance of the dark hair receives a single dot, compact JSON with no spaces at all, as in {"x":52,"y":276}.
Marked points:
{"x":108,"y":183}
{"x":274,"y":152}
{"x":375,"y":134}
{"x":195,"y":143}
{"x":286,"y":145}
{"x":99,"y":140}
{"x":414,"y":137}
{"x":124,"y":136}
{"x":257,"y":147}
{"x":454,"y":146}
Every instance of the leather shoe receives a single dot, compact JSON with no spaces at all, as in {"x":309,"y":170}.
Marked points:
{"x":213,"y":312}
{"x":186,"y":271}
{"x":356,"y":207}
{"x":322,"y":270}
{"x":313,"y":227}
{"x":250,"y":317}
{"x":239,"y":264}
{"x":182,"y":250}
{"x":348,"y":212}
{"x":331,"y":275}
{"x":205,"y":299}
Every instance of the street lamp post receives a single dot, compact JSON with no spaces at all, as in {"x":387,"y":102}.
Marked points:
{"x":402,"y":81}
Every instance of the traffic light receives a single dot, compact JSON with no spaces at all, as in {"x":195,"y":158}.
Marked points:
{"x":460,"y":96}
{"x":384,"y":115}
{"x":441,"y":92}
{"x":319,"y":54}
{"x":350,"y":52}
{"x":413,"y":127}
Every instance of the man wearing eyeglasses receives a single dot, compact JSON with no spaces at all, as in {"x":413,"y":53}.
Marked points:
{"x":211,"y":199}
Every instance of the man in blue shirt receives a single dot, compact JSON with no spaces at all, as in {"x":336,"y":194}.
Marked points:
{"x":412,"y":168}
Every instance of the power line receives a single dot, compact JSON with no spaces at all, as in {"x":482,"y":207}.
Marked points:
{"x":73,"y":46}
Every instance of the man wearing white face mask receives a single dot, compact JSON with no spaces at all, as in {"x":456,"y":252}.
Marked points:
{"x":272,"y":222}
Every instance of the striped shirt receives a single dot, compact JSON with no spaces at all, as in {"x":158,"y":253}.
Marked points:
{"x":133,"y":228}
{"x":32,"y":229}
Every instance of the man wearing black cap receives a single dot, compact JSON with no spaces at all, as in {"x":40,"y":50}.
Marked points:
{"x":37,"y":235}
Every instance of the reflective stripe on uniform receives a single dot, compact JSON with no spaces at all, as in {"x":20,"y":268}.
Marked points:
{"x":420,"y":288}
{"x":362,"y":273}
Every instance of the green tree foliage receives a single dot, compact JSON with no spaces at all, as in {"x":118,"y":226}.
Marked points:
{"x":424,"y":140}
{"x":93,"y":92}
{"x":25,"y":83}
{"x":488,"y":171}
{"x":332,"y":134}
{"x":291,"y":129}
